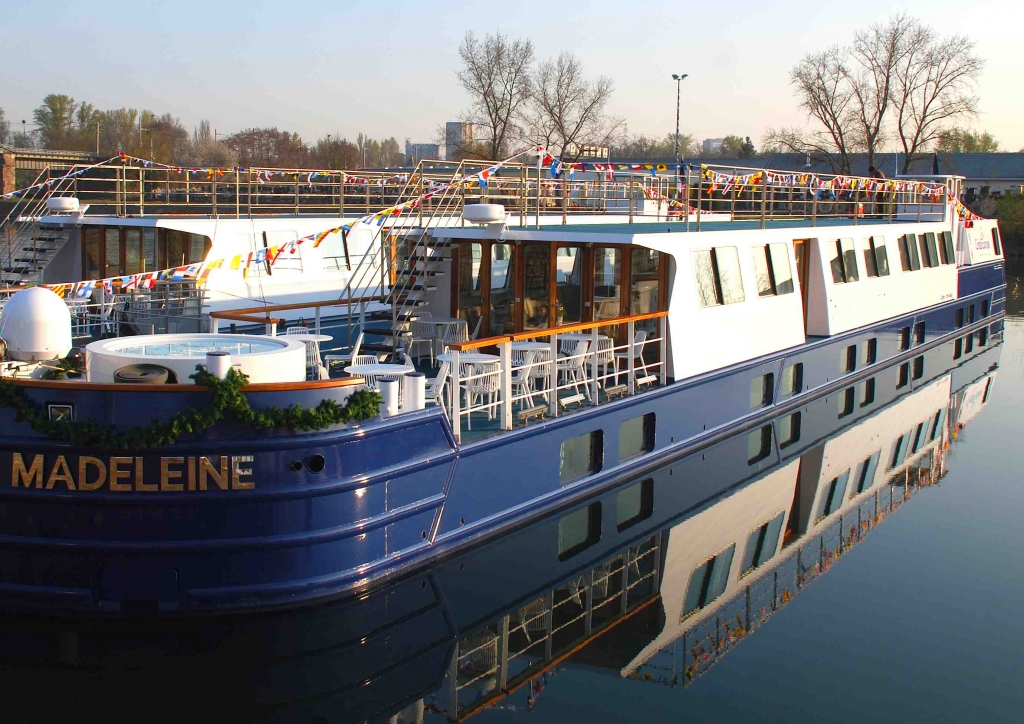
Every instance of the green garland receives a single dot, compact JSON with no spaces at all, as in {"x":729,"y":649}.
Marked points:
{"x":226,"y":396}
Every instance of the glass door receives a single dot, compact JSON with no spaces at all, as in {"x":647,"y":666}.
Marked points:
{"x":112,"y":253}
{"x":133,"y":257}
{"x":502,"y":289}
{"x":536,"y":285}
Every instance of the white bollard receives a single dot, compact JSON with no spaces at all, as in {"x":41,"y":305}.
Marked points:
{"x":218,"y":364}
{"x":389,"y":391}
{"x":415,"y":385}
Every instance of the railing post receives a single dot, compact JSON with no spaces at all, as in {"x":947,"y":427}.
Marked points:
{"x":565,"y":198}
{"x":456,"y":397}
{"x":214,"y":195}
{"x":856,"y":205}
{"x":238,"y":195}
{"x":316,"y":323}
{"x":505,"y":352}
{"x":631,"y":199}
{"x":553,"y":377}
{"x":764,"y":196}
{"x":142,"y":192}
{"x":700,"y":200}
{"x":595,"y":385}
{"x":214,"y":324}
{"x":663,"y":351}
{"x":631,"y":353}
{"x":503,"y":655}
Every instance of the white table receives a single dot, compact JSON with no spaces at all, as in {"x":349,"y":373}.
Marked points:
{"x":312,"y":342}
{"x":379,"y":370}
{"x":471,"y":358}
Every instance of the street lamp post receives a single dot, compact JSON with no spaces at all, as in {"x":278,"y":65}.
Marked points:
{"x":678,"y":78}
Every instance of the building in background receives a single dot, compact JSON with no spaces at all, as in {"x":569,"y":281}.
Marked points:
{"x":415,"y":152}
{"x":712,"y":146}
{"x":458,"y":138}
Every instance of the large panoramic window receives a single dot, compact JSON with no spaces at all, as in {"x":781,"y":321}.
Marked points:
{"x":536,"y":285}
{"x":875,"y":259}
{"x":568,"y":287}
{"x":607,"y":278}
{"x":644,"y":280}
{"x":708,"y":581}
{"x":503,"y":286}
{"x":772,"y":269}
{"x":844,"y":263}
{"x":718,"y":276}
{"x":471,"y":272}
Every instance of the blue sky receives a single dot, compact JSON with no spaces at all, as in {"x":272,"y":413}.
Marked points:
{"x":319,"y":68}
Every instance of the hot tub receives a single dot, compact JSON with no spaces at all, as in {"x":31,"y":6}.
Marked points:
{"x":263,"y":359}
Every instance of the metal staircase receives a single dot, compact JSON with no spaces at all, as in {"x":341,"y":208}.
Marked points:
{"x":27,"y":244}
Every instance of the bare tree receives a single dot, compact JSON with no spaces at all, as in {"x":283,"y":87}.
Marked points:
{"x":5,"y":127}
{"x":821,"y":81}
{"x":934,"y":89}
{"x":496,"y":74}
{"x":566,"y":111}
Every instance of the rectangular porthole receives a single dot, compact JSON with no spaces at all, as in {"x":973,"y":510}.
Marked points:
{"x":984,"y":308}
{"x":759,"y":445}
{"x":866,"y":472}
{"x":636,"y":436}
{"x":832,"y":496}
{"x":904,"y":378}
{"x":771,"y":269}
{"x":579,"y":530}
{"x":581,"y":456}
{"x":910,"y":259}
{"x":905,"y":338}
{"x":919,"y":333}
{"x":970,"y":314}
{"x":969,"y":343}
{"x":867,"y":392}
{"x":844,"y":263}
{"x":718,"y":276}
{"x":762,"y":544}
{"x":929,"y":250}
{"x":846,"y":399}
{"x":875,"y":259}
{"x":898,"y":451}
{"x":919,"y":367}
{"x":946,"y":248}
{"x":959,"y":318}
{"x":958,"y":349}
{"x":983,"y":337}
{"x":634,"y":504}
{"x":789,"y":430}
{"x":792,"y":380}
{"x":848,"y":359}
{"x":708,"y":581}
{"x":762,"y":389}
{"x":871,"y":351}
{"x":940,"y":420}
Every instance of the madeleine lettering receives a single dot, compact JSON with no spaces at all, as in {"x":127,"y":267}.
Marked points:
{"x":122,"y":474}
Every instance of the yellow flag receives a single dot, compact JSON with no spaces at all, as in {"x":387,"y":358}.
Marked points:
{"x":236,"y":262}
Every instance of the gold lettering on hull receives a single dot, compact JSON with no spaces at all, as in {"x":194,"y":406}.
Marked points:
{"x":123,"y":474}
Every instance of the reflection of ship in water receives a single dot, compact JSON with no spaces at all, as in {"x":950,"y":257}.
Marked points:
{"x":655,"y":579}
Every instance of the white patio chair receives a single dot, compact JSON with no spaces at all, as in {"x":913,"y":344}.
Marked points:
{"x":573,"y":367}
{"x":522,"y":372}
{"x":455,"y":332}
{"x":487,"y":382}
{"x":423,"y":334}
{"x":365,"y":359}
{"x":476,"y":329}
{"x":435,"y":389}
{"x":639,"y":340}
{"x":345,"y":357}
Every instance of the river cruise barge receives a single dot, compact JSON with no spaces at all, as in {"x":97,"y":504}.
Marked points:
{"x":573,"y":357}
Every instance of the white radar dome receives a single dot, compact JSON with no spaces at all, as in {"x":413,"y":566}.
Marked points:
{"x":62,"y":204}
{"x":36,"y":324}
{"x":484,"y":213}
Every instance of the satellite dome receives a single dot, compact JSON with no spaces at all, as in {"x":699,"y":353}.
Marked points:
{"x":36,"y":324}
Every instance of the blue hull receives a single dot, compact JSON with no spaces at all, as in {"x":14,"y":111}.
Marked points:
{"x":393,"y":494}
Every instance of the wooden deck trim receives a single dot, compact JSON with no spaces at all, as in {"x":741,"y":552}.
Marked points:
{"x":183,"y":388}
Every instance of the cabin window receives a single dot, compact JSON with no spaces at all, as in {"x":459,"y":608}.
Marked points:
{"x":471,"y":276}
{"x":919,"y":367}
{"x":875,"y":259}
{"x":984,"y":308}
{"x":91,"y":242}
{"x":636,"y":436}
{"x":111,"y":252}
{"x":708,"y":581}
{"x":984,"y":398}
{"x":946,"y":248}
{"x":568,"y":287}
{"x":959,"y":318}
{"x":502,"y":290}
{"x":905,"y":338}
{"x":607,"y":281}
{"x":958,"y":349}
{"x":866,"y":472}
{"x":846,"y":402}
{"x":970,"y":314}
{"x":643,"y":280}
{"x":899,"y":450}
{"x":718,"y":276}
{"x":867,"y":392}
{"x":832,"y":496}
{"x":996,"y":246}
{"x":762,"y":389}
{"x":634,"y":504}
{"x":759,"y":445}
{"x":940,"y":419}
{"x":919,"y":333}
{"x":792,"y":380}
{"x":848,"y":359}
{"x":969,"y":343}
{"x":871,"y":351}
{"x":983,"y":337}
{"x":772,"y":270}
{"x":580,"y":456}
{"x":904,"y":376}
{"x":789,"y":430}
{"x":844,"y":263}
{"x":578,"y":531}
{"x":133,"y":251}
{"x":910,"y":260}
{"x":149,"y":256}
{"x":929,"y":252}
{"x":762,"y":543}
{"x":919,"y":437}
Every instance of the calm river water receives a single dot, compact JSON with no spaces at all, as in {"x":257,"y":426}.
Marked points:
{"x":871,"y":572}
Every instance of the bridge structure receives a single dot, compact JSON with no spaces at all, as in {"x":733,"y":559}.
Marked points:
{"x":36,"y":161}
